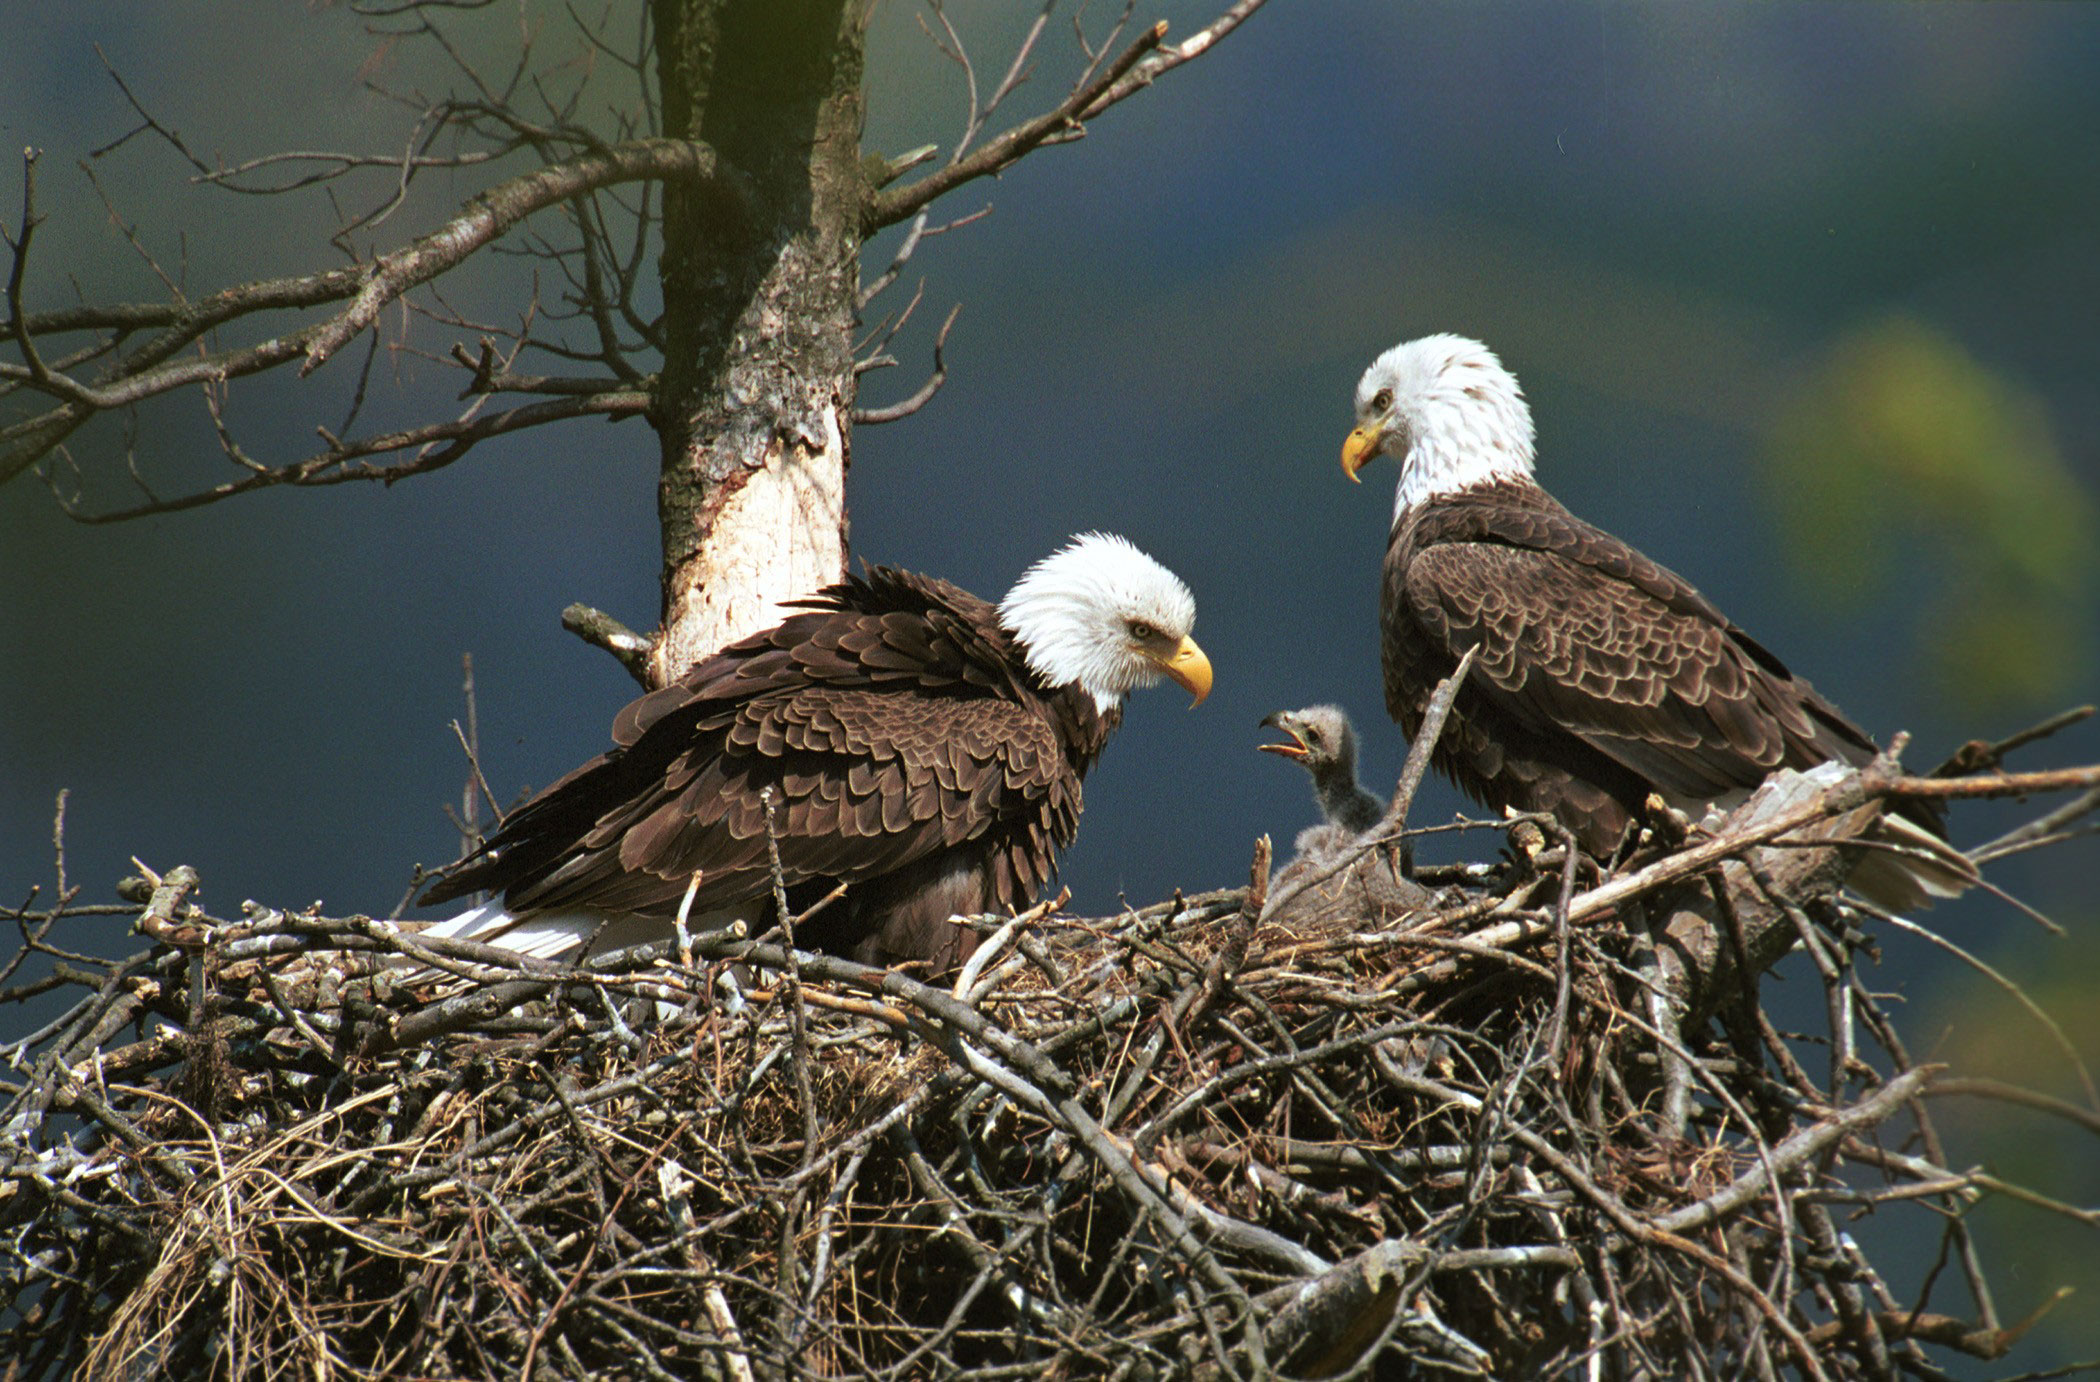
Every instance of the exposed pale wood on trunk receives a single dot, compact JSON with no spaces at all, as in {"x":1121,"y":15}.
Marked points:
{"x":758,"y":318}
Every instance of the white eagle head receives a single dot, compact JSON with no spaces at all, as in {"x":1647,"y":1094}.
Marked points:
{"x":1444,"y":408}
{"x":1101,"y":613}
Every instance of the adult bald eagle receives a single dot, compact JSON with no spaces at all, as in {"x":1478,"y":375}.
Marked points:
{"x":923,"y":748}
{"x":1602,"y":677}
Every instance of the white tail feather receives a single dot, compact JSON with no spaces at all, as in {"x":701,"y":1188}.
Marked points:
{"x":1923,"y":868}
{"x":1927,"y":868}
{"x":545,"y":936}
{"x":560,"y":935}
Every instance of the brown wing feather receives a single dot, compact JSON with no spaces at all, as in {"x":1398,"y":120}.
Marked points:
{"x":1659,"y":691}
{"x":903,"y":741}
{"x":1601,"y":675}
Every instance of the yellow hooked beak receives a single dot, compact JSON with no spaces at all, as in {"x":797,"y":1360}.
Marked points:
{"x":1190,"y":670}
{"x":1361,"y":446}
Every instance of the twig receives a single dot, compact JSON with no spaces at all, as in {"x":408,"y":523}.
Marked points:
{"x":601,"y":630}
{"x":1426,"y":739}
{"x":906,"y":407}
{"x":1980,"y":755}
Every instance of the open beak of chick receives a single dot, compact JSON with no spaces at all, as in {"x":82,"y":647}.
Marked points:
{"x":1288,"y":723}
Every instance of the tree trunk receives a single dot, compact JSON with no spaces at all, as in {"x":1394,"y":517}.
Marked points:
{"x":759,"y":314}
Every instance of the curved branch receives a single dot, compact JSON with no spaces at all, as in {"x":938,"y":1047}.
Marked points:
{"x":904,"y":408}
{"x":441,"y":444}
{"x":150,"y":371}
{"x":27,"y":441}
{"x":495,"y":211}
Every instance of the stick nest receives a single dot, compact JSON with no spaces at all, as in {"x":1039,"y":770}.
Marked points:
{"x":1537,"y":1124}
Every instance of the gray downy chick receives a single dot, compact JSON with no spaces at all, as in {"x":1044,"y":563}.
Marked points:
{"x":1323,"y":742}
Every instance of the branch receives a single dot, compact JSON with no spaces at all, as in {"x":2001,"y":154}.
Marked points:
{"x":1136,"y":68}
{"x":495,"y":211}
{"x":1172,"y":56}
{"x":1425,"y":742}
{"x":1803,"y":1146}
{"x":894,"y":204}
{"x":19,"y":243}
{"x":441,"y":444}
{"x":23,"y":444}
{"x":1978,"y":755}
{"x":150,"y":371}
{"x":601,"y":630}
{"x":1995,"y":784}
{"x":869,"y":417}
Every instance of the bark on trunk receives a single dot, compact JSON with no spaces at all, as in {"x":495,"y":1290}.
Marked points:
{"x":758,"y":315}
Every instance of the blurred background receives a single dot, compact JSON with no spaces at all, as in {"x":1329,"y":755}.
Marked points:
{"x":1806,"y":300}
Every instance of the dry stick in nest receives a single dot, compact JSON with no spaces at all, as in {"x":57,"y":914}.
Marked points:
{"x":1624,"y":1219}
{"x":1557,"y":1029}
{"x":798,"y":1009}
{"x":1027,"y":1075}
{"x":1225,"y":965}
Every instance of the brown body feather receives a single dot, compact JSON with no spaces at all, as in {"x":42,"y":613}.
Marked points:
{"x":1601,"y":677}
{"x":913,"y":757}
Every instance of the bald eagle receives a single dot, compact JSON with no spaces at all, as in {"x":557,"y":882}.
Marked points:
{"x":923,"y":748}
{"x":1602,"y":678}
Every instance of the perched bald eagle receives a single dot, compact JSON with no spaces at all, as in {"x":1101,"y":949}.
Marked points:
{"x":923,"y":748}
{"x":1602,"y":677}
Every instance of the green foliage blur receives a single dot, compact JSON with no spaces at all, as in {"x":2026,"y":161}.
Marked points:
{"x":1906,"y":459}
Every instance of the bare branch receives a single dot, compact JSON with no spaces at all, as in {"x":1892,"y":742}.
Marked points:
{"x":1172,"y":56}
{"x":601,"y":630}
{"x":1996,"y":784}
{"x":1425,"y":741}
{"x":19,"y":243}
{"x":152,"y":369}
{"x":1798,"y":1150}
{"x":438,"y":445}
{"x":894,"y":204}
{"x":905,"y":408}
{"x":494,"y":212}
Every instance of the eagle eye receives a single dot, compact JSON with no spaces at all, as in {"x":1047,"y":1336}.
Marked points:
{"x":1142,"y":631}
{"x":1382,"y":400}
